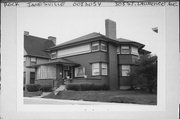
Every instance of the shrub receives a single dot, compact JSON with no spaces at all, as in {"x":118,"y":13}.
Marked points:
{"x":86,"y":86}
{"x":46,"y":88}
{"x":33,"y":87}
{"x":75,"y":87}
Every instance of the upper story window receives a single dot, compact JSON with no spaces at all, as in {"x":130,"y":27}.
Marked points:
{"x":33,"y":59}
{"x":125,"y":50}
{"x":95,"y":46}
{"x":134,"y":50}
{"x":103,"y":46}
{"x":53,"y":55}
{"x":125,"y":70}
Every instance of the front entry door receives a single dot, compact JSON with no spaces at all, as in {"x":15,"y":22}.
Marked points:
{"x":67,"y":73}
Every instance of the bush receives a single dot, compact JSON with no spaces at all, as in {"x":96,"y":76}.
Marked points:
{"x":75,"y":87}
{"x":33,"y":87}
{"x":46,"y":88}
{"x":86,"y":86}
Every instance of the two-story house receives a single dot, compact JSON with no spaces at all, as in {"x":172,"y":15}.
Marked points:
{"x":34,"y":53}
{"x":96,"y":58}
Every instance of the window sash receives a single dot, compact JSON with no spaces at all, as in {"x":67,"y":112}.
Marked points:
{"x":125,"y":50}
{"x":103,"y":47}
{"x":95,"y":69}
{"x":95,"y":46}
{"x":33,"y":59}
{"x":125,"y":70}
{"x":134,"y":50}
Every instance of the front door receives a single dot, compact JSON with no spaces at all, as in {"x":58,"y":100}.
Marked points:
{"x":67,"y":72}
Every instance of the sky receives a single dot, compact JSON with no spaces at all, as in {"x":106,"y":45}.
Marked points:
{"x":67,"y":23}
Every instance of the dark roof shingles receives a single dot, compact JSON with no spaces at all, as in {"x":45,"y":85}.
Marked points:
{"x":35,"y":46}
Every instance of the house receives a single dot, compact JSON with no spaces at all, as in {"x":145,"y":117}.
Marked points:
{"x":95,"y":58}
{"x":34,"y":54}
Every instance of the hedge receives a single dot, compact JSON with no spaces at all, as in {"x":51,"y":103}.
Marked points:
{"x":86,"y":86}
{"x":33,"y":87}
{"x":46,"y":88}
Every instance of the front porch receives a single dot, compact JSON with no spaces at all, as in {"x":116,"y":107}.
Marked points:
{"x":54,"y":72}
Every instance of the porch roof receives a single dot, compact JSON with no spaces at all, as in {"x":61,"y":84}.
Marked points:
{"x":56,"y":61}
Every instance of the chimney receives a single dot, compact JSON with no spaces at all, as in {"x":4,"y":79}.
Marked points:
{"x":52,"y":39}
{"x":26,"y":33}
{"x":110,"y":27}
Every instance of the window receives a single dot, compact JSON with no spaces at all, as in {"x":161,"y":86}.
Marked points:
{"x":53,"y":55}
{"x":103,"y":47}
{"x":95,"y":69}
{"x":95,"y":46}
{"x":33,"y":59}
{"x":99,"y":69}
{"x":134,"y":50}
{"x":125,"y":50}
{"x":125,"y":70}
{"x":79,"y":71}
{"x":104,"y":69}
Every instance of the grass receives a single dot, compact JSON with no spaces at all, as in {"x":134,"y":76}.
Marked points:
{"x":135,"y":97}
{"x":32,"y":94}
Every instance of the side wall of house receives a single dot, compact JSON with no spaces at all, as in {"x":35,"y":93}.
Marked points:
{"x":28,"y":71}
{"x":86,"y":61}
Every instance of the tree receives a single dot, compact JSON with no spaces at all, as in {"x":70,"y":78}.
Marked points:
{"x":144,"y":74}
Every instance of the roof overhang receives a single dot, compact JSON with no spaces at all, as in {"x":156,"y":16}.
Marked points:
{"x":55,"y":62}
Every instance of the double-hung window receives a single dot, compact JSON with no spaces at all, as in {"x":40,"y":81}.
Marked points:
{"x":95,"y":69}
{"x":134,"y":50}
{"x":103,"y":47}
{"x":125,"y":70}
{"x":95,"y":46}
{"x":103,"y":68}
{"x":99,"y":69}
{"x":125,"y":50}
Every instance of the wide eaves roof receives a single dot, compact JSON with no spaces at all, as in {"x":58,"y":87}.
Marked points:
{"x":91,"y":37}
{"x":62,"y":61}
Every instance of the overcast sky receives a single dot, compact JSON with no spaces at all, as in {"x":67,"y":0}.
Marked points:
{"x":67,"y":23}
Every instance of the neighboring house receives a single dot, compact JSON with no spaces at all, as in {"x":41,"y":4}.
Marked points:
{"x":34,"y":48}
{"x":95,"y":58}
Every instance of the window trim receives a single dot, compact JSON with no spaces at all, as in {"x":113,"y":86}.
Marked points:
{"x":105,"y":44}
{"x":95,"y":44}
{"x":34,"y":60}
{"x":129,"y":70}
{"x":83,"y":71}
{"x":126,"y":49}
{"x":100,"y":68}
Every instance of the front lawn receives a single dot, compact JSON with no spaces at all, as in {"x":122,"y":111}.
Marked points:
{"x":135,"y":97}
{"x":32,"y":94}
